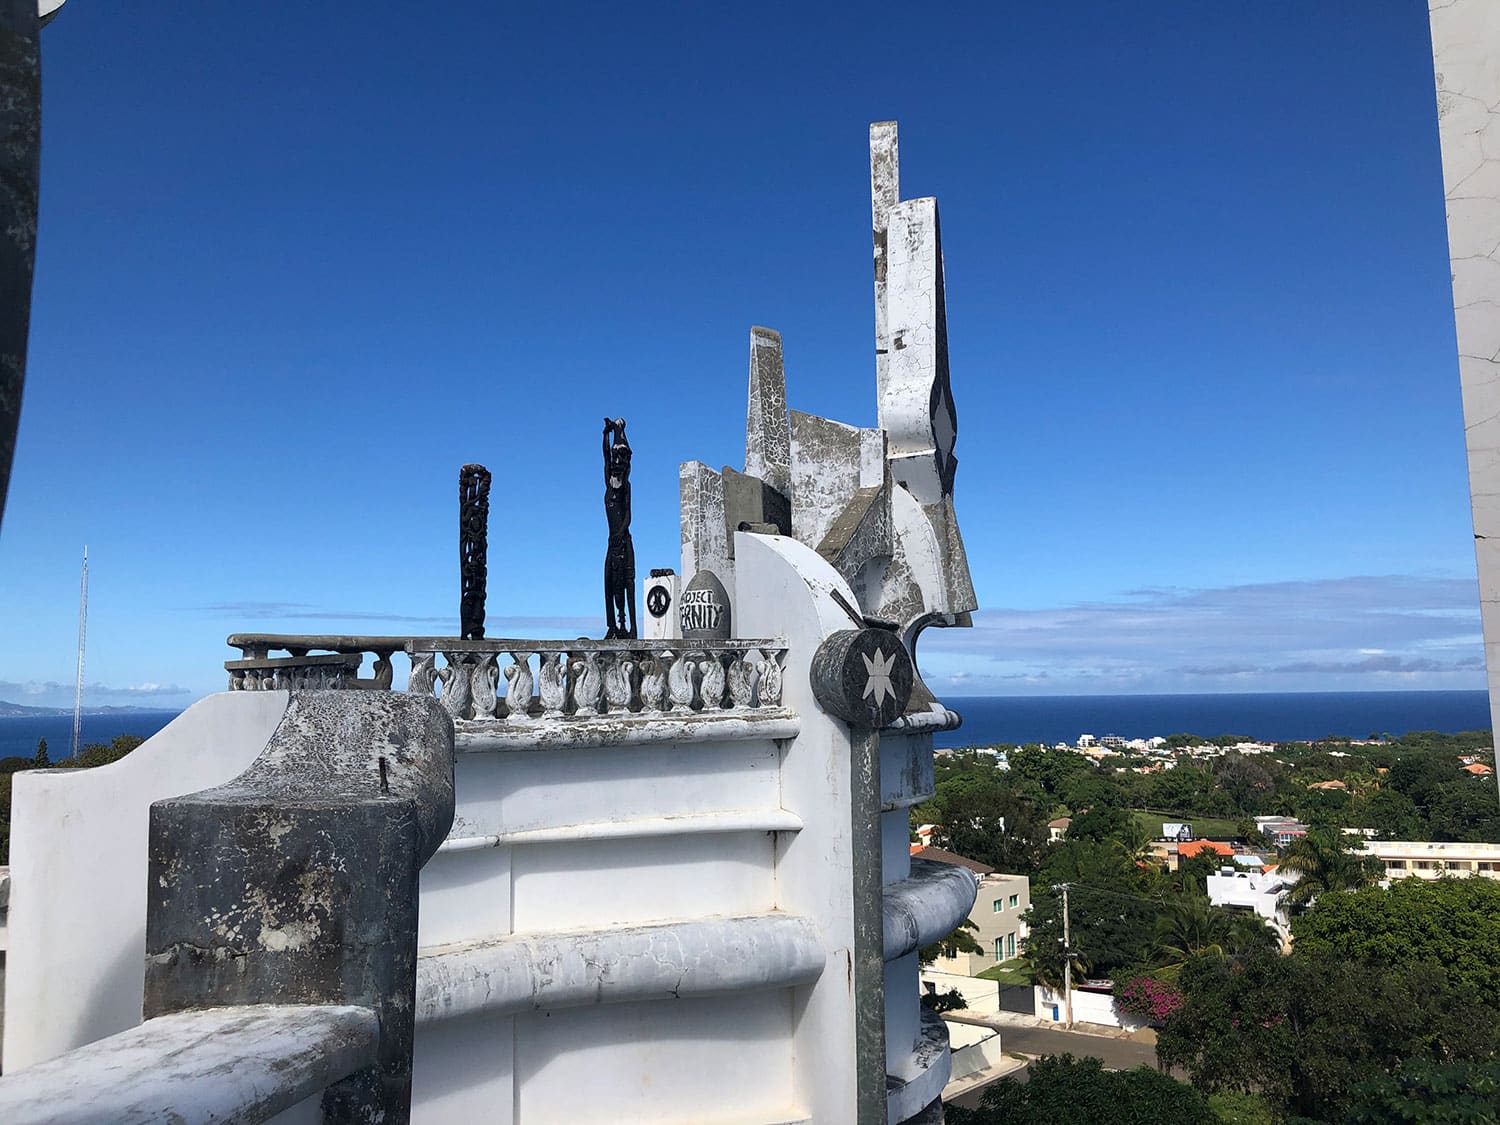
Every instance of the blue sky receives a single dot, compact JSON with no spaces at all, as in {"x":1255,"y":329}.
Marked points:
{"x":297,"y":266}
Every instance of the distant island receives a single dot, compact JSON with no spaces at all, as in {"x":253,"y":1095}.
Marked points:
{"x":18,"y":711}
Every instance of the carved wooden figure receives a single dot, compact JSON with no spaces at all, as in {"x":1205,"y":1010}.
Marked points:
{"x":619,"y":556}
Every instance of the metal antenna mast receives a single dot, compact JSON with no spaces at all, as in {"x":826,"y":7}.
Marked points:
{"x":83,"y":621}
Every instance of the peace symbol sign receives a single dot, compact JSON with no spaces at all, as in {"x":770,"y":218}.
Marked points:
{"x":658,"y":601}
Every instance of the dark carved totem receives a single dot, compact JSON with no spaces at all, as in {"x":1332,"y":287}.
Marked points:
{"x":473,"y":548}
{"x":619,"y":557}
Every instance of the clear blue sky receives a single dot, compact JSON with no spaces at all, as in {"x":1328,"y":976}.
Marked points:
{"x":298,"y":263}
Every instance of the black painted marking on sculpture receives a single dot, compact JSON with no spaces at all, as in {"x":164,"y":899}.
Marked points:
{"x":619,"y":556}
{"x":658,"y":601}
{"x":473,"y":548}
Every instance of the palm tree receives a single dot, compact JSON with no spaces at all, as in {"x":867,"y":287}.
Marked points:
{"x":1189,"y":926}
{"x":1323,"y":861}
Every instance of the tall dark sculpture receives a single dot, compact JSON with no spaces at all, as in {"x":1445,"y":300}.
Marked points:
{"x":20,"y":149}
{"x":619,"y":558}
{"x":473,"y":548}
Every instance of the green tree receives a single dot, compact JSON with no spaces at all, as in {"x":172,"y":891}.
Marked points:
{"x":960,"y":940}
{"x":1465,"y":1093}
{"x":1188,"y":926}
{"x":1326,"y":860}
{"x":1061,"y":1088}
{"x":1304,"y":1031}
{"x":1454,"y":922}
{"x":986,"y":822}
{"x":41,"y":760}
{"x":1110,"y":930}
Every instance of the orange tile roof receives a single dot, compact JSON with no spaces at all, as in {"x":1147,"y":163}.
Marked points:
{"x":1197,"y":847}
{"x":1478,"y":769}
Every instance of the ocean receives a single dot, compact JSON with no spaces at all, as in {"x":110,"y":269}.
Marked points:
{"x":1018,"y":719}
{"x":1269,"y":717}
{"x":18,"y":735}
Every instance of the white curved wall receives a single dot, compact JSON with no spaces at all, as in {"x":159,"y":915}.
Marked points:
{"x":75,"y":970}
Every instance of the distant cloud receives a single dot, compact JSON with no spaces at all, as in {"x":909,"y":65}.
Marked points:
{"x":1378,"y":631}
{"x":50,"y":693}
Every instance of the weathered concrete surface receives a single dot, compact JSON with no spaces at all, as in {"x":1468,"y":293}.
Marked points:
{"x":298,"y":879}
{"x":830,"y":462}
{"x":748,"y":500}
{"x":926,"y":906}
{"x":548,"y":972}
{"x":911,"y":1093}
{"x":885,"y":193}
{"x":1466,"y":65}
{"x":705,"y":535}
{"x":20,"y":161}
{"x":681,"y":727}
{"x":864,"y":677}
{"x":77,"y":924}
{"x":768,"y":450}
{"x":220,"y":1066}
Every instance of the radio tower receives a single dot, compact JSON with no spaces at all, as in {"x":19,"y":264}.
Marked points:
{"x":83,"y":621}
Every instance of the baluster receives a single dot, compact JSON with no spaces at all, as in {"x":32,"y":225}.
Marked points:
{"x":769,"y":687}
{"x":712,"y":690}
{"x":384,"y":671}
{"x":518,"y":694}
{"x":741,"y":681}
{"x":484,"y":679}
{"x":682,"y":682}
{"x":588,"y":685}
{"x":237,"y":680}
{"x":654,"y":682}
{"x":423,"y":673}
{"x":553,"y":683}
{"x":619,"y":686}
{"x":456,"y":696}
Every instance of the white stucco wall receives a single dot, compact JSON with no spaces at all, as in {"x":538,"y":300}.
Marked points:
{"x":76,"y":963}
{"x":1466,"y":65}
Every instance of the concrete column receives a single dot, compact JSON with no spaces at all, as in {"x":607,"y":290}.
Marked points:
{"x":885,"y":193}
{"x":1466,"y":64}
{"x":768,"y":443}
{"x":297,"y":881}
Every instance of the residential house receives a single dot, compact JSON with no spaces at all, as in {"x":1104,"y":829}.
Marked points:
{"x":997,"y":912}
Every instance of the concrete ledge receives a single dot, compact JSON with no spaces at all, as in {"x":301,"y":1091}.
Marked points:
{"x":767,"y":820}
{"x":478,"y":736}
{"x":667,"y":961}
{"x":939,"y":718}
{"x":220,"y":1065}
{"x":926,"y":906}
{"x":920,"y":1083}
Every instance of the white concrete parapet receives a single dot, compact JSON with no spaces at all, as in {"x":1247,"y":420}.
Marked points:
{"x":221,"y":1065}
{"x":925,"y":906}
{"x":548,"y":972}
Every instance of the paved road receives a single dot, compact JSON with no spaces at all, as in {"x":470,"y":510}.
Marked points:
{"x":1118,"y":1054}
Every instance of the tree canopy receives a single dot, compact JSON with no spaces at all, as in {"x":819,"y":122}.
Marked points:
{"x":1453,"y":922}
{"x":1061,"y":1088}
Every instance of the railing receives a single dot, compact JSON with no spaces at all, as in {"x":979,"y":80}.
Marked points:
{"x":502,"y":680}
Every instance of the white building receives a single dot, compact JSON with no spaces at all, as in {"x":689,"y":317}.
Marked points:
{"x":1255,"y":892}
{"x":1428,"y":860}
{"x":677,"y":885}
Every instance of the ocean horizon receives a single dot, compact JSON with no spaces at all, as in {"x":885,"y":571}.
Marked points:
{"x":1017,"y":719}
{"x":1264,"y":716}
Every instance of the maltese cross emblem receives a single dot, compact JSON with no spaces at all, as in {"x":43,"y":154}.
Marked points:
{"x":878,"y":676}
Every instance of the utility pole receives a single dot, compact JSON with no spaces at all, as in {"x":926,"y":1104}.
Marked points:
{"x":83,"y":620}
{"x":1067,"y":964}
